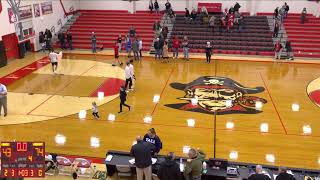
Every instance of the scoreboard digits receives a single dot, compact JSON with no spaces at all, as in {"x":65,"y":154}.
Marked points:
{"x":22,"y":159}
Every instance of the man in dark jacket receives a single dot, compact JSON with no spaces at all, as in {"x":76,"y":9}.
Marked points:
{"x":142,"y":154}
{"x":283,"y":175}
{"x":69,"y":39}
{"x":169,"y":169}
{"x":168,"y":6}
{"x":236,"y":7}
{"x":123,"y":98}
{"x":258,"y":175}
{"x":152,"y":138}
{"x":62,"y":40}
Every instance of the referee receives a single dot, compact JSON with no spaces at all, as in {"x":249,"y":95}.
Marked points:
{"x":3,"y":99}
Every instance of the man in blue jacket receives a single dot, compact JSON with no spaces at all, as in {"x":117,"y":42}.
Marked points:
{"x":152,"y":138}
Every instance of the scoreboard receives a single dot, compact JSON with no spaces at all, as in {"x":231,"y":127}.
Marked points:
{"x":22,"y":159}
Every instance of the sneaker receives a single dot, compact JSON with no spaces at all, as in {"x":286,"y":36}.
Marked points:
{"x":129,"y":108}
{"x":5,"y":115}
{"x":120,"y":112}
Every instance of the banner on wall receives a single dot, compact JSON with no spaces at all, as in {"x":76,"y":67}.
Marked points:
{"x":36,"y":10}
{"x":25,"y":12}
{"x":46,"y":8}
{"x":12,"y":16}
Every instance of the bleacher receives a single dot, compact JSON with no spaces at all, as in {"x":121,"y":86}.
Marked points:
{"x":108,"y":24}
{"x":254,"y":39}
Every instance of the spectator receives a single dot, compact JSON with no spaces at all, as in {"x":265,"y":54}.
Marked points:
{"x":119,"y":41}
{"x":3,"y":99}
{"x":168,"y":7}
{"x":303,"y":15}
{"x":61,"y":40}
{"x":185,"y":46}
{"x":283,"y":175}
{"x":175,"y":47}
{"x":116,"y":55}
{"x":230,"y":21}
{"x":156,"y":6}
{"x":231,"y":10}
{"x":42,"y":41}
{"x":276,"y":29}
{"x":165,"y":53}
{"x":69,"y":40}
{"x":276,"y":13}
{"x":187,"y":13}
{"x":74,"y":169}
{"x":142,"y":154}
{"x":165,"y":32}
{"x":286,"y":8}
{"x":277,"y":50}
{"x":94,"y":42}
{"x":135,"y":48}
{"x":237,"y":15}
{"x":211,"y":22}
{"x":236,"y":7}
{"x":208,"y":51}
{"x":193,"y":169}
{"x":289,"y":50}
{"x":151,"y":6}
{"x":169,"y":169}
{"x":156,"y":26}
{"x":140,"y":47}
{"x":258,"y":175}
{"x":156,"y":46}
{"x":204,"y":15}
{"x":152,"y":138}
{"x":282,"y":14}
{"x":193,"y":14}
{"x":49,"y":36}
{"x":172,"y":16}
{"x":132,"y":32}
{"x":161,"y":44}
{"x":128,"y":45}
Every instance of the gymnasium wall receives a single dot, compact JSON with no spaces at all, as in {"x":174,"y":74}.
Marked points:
{"x":5,"y":27}
{"x":252,"y":6}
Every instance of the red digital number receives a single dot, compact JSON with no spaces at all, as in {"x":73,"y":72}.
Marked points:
{"x":22,"y":146}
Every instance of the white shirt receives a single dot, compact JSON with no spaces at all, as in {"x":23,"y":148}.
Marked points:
{"x":53,"y":57}
{"x":95,"y":109}
{"x":140,"y":44}
{"x":3,"y":90}
{"x":131,"y":70}
{"x":127,"y":72}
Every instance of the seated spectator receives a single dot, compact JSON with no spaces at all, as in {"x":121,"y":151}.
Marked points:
{"x":169,"y":169}
{"x":283,"y":175}
{"x":277,"y":50}
{"x":193,"y":14}
{"x":156,"y":26}
{"x":132,"y":31}
{"x":276,"y":29}
{"x":142,"y":155}
{"x":303,"y":15}
{"x":152,"y":138}
{"x":151,"y":6}
{"x":193,"y":169}
{"x":211,"y":22}
{"x":168,"y":6}
{"x":156,"y":6}
{"x":236,"y":7}
{"x":258,"y":175}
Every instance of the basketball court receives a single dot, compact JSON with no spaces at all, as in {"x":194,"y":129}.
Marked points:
{"x":45,"y":107}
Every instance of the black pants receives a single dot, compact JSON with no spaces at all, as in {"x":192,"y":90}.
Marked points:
{"x":208,"y":57}
{"x":128,"y":82}
{"x":140,"y":53}
{"x":96,"y":114}
{"x":123,"y":103}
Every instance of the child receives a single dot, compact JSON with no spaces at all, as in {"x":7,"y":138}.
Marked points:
{"x":116,"y":55}
{"x":95,"y":110}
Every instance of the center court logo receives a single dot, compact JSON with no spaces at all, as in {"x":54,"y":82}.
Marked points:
{"x":213,"y":93}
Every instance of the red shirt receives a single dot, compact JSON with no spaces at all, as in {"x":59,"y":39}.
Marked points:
{"x":116,"y":50}
{"x":277,"y":47}
{"x":176,"y":43}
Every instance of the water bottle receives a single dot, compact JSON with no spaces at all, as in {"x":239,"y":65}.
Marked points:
{"x":204,"y":167}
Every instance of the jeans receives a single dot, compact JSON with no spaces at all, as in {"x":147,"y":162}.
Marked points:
{"x":186,"y":52}
{"x":158,"y":53}
{"x":175,"y":52}
{"x":94,"y":48}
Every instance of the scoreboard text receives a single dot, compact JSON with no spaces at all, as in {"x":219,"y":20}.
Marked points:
{"x":22,"y":159}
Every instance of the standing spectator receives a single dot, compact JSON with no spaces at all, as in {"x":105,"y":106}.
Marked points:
{"x":236,"y":7}
{"x":175,"y":47}
{"x":116,"y":55}
{"x":62,"y":40}
{"x":69,"y":40}
{"x":258,"y":175}
{"x":128,"y":45}
{"x":119,"y":41}
{"x":156,"y":46}
{"x":94,"y":42}
{"x":128,"y":76}
{"x":193,"y":14}
{"x":286,"y":8}
{"x":142,"y":154}
{"x":276,"y":29}
{"x":165,"y":53}
{"x":276,"y":13}
{"x":42,"y":41}
{"x":193,"y":169}
{"x":211,"y":22}
{"x":185,"y":46}
{"x":156,"y":6}
{"x":135,"y":48}
{"x":161,"y":44}
{"x":289,"y":50}
{"x":277,"y":50}
{"x":151,"y":6}
{"x":208,"y":51}
{"x":49,"y":37}
{"x":132,"y":32}
{"x":303,"y":15}
{"x":165,"y":32}
{"x":187,"y":14}
{"x":123,"y":99}
{"x":230,"y":21}
{"x":168,"y":7}
{"x":283,"y":175}
{"x":169,"y":169}
{"x":140,"y":47}
{"x":152,"y":138}
{"x":282,"y":14}
{"x":3,"y":99}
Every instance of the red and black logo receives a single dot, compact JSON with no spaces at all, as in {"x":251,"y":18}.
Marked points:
{"x":208,"y":94}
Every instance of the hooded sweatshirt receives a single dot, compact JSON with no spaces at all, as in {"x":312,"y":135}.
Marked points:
{"x":169,"y":170}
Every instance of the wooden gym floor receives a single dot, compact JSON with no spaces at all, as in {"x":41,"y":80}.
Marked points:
{"x":42,"y":105}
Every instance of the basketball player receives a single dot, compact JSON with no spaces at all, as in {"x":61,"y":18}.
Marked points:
{"x":123,"y":98}
{"x":54,"y":60}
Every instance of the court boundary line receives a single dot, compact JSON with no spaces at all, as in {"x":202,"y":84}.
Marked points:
{"x":274,"y":105}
